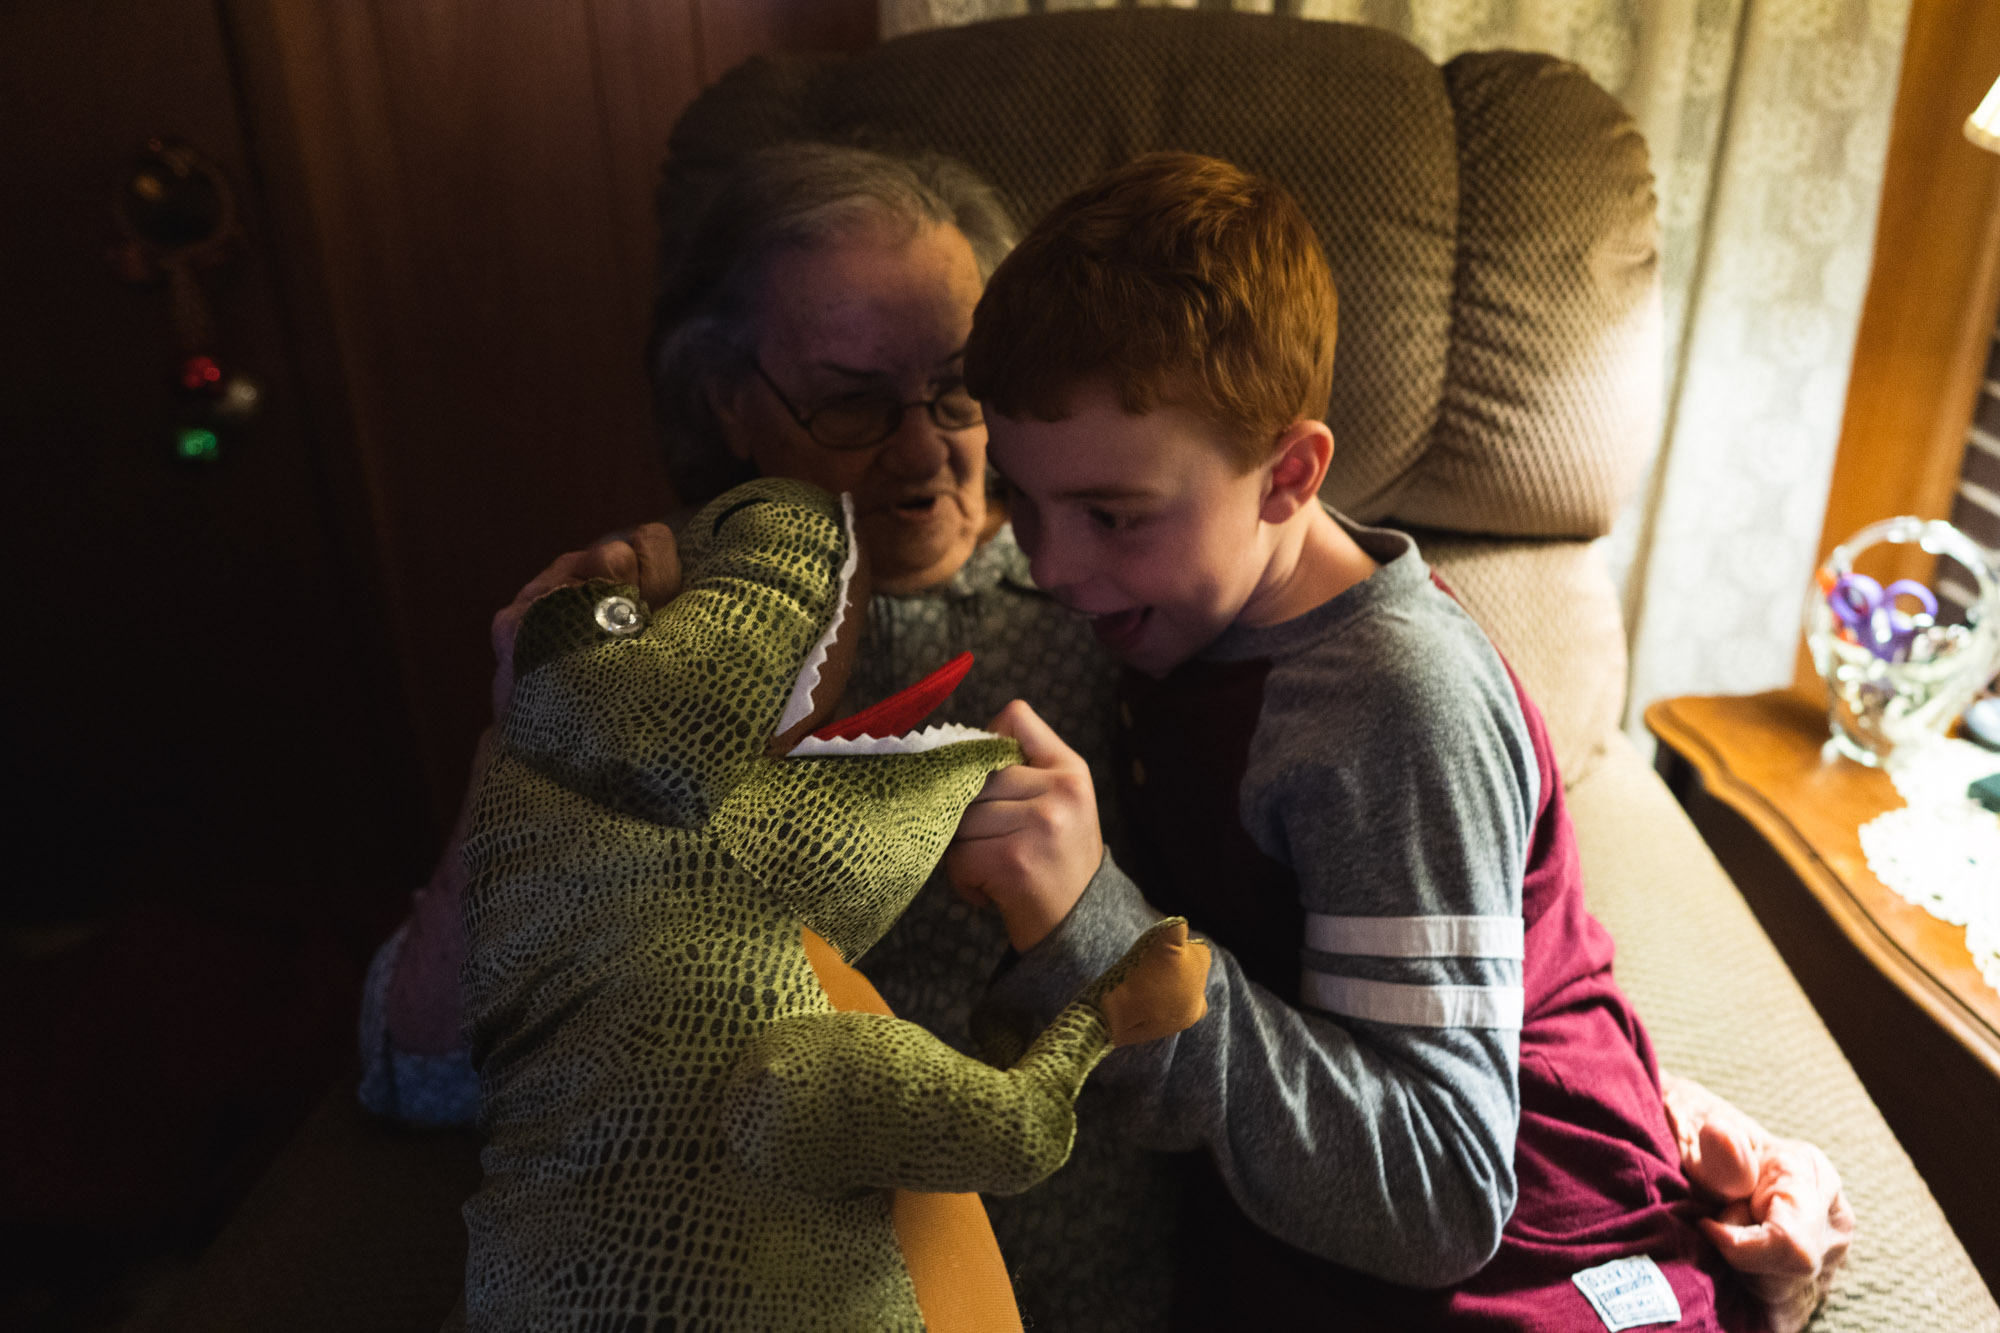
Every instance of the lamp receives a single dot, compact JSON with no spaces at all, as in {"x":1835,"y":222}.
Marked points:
{"x":1983,"y":125}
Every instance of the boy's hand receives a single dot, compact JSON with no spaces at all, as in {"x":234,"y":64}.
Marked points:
{"x":645,"y":557}
{"x":1029,"y":841}
{"x":1786,"y":1224}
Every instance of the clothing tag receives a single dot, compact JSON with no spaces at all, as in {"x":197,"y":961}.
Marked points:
{"x":1629,"y":1292}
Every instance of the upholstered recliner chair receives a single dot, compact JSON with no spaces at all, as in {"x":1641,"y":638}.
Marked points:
{"x":1491,"y":228}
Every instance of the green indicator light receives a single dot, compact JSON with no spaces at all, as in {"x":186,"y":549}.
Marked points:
{"x":196,"y":446}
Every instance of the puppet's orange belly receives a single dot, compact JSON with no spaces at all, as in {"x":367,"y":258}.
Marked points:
{"x":947,"y":1243}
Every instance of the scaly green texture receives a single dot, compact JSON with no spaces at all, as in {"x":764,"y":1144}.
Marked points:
{"x":680,"y":1130}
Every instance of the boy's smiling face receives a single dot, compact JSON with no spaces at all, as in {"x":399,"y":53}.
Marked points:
{"x":1141,"y":522}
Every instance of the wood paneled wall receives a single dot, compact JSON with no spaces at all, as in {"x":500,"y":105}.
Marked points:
{"x":204,"y":765}
{"x":464,"y":196}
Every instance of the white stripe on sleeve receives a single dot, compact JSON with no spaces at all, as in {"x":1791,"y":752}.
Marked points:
{"x":1418,"y":936}
{"x":1414,"y":1006}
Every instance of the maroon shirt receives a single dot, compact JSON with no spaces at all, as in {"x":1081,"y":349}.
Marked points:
{"x":1597,"y":1165}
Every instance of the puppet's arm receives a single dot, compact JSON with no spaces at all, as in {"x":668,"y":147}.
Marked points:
{"x":936,"y":1120}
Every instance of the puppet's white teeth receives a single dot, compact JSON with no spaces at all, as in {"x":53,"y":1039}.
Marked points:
{"x":799,"y":706}
{"x":915,"y":742}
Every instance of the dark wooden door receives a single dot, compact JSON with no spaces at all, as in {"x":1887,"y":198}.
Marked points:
{"x":240,"y":700}
{"x":199,"y":704}
{"x":211,"y":812}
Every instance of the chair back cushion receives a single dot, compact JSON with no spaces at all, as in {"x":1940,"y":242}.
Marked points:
{"x":1490,"y":225}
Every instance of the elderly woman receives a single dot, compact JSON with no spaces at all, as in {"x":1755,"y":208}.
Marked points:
{"x":811,"y":326}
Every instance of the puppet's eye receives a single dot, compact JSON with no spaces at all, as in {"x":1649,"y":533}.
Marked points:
{"x":619,"y":615}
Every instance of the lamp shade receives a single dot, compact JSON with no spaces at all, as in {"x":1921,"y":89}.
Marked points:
{"x":1983,"y":125}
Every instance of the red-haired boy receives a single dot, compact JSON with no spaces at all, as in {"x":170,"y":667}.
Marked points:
{"x":1418,"y":1098}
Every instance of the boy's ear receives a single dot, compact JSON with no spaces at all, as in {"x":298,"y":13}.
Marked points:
{"x":1298,"y":466}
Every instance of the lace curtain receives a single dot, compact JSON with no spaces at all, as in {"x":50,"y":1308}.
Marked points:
{"x":1768,"y":122}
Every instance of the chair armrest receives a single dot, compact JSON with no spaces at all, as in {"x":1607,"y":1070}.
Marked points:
{"x":1722,"y":1008}
{"x":354,"y":1229}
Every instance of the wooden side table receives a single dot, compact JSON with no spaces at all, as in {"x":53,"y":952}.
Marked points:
{"x":1894,"y":984}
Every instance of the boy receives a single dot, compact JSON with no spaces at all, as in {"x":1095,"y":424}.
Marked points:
{"x":1422,"y":1100}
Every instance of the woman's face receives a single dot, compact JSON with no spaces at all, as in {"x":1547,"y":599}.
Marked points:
{"x":880,"y":308}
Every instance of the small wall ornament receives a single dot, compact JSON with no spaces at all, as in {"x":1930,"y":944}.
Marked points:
{"x":179,"y":217}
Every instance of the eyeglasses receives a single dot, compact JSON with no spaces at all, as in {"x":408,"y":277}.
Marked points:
{"x":873,"y":415}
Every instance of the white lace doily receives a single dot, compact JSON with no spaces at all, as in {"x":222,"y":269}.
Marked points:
{"x":1941,"y":851}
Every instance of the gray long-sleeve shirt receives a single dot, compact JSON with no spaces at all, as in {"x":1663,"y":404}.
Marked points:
{"x":1358,"y":1095}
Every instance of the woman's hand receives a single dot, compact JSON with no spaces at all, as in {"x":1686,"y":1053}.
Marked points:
{"x":422,"y":1008}
{"x":645,"y":557}
{"x":1029,"y":841}
{"x":1785,"y":1225}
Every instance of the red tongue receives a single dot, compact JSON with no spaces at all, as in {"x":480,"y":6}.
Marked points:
{"x":902,"y":710}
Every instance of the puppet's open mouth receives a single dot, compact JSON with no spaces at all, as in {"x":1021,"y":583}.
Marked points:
{"x":886,"y":727}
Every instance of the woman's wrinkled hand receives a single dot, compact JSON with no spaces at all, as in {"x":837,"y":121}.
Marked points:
{"x":646,"y":557}
{"x":1785,"y":1224}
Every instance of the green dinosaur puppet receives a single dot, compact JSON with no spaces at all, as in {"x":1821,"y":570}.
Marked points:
{"x":682,"y":1131}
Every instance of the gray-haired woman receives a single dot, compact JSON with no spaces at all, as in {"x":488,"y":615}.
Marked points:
{"x":810,"y":323}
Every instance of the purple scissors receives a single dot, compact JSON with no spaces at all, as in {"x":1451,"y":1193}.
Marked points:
{"x":1869,"y":610}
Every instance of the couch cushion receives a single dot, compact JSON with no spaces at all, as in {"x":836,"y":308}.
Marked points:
{"x":1517,"y":591}
{"x":1723,"y":1009}
{"x":1042,"y":110}
{"x":1498,"y":359}
{"x":1552,"y":391}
